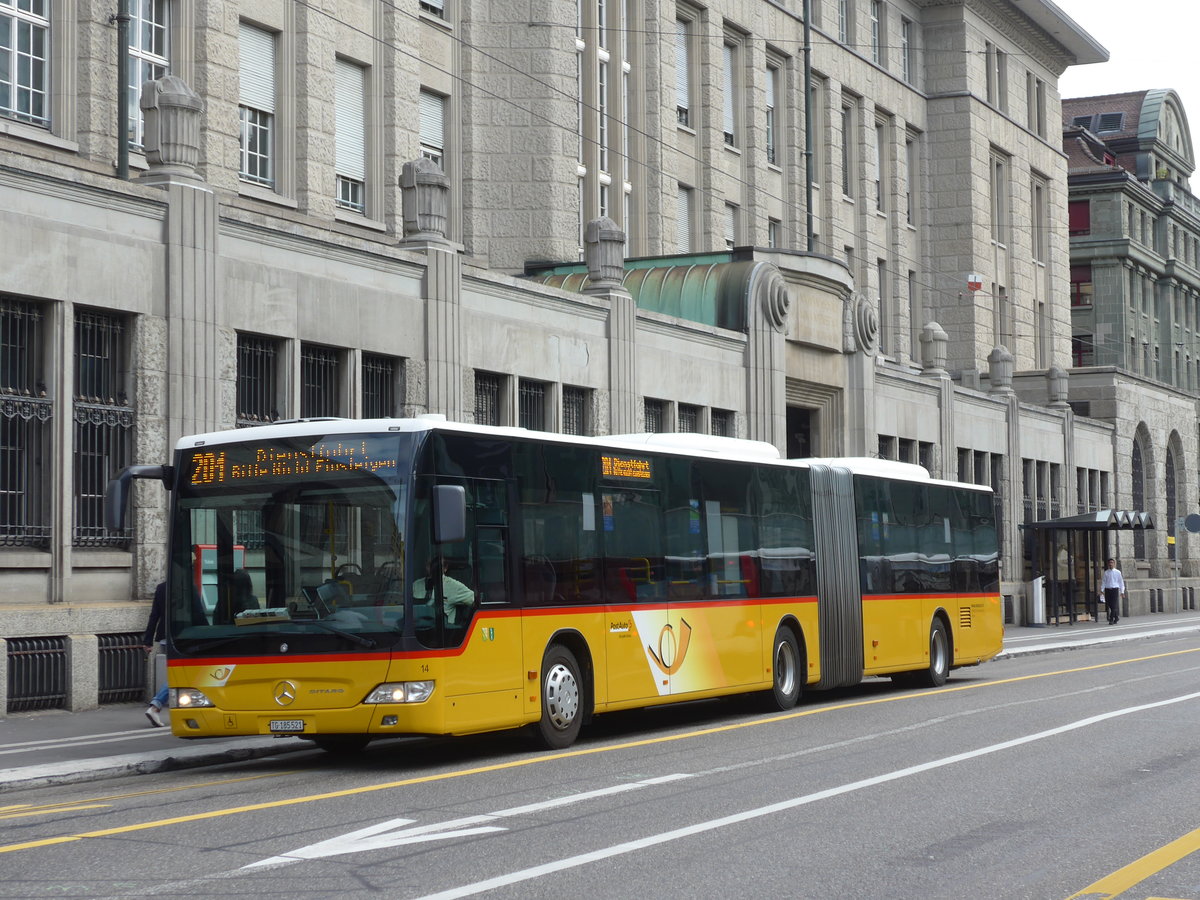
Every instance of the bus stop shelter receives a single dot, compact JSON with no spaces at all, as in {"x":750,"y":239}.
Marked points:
{"x":1070,"y":553}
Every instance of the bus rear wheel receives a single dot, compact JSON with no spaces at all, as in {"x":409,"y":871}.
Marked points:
{"x":562,"y":699}
{"x":787,"y":669}
{"x":939,"y":656}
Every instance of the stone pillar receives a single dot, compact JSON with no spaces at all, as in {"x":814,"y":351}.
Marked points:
{"x":83,"y":672}
{"x":604,"y":252}
{"x":172,"y":134}
{"x":768,"y":306}
{"x":1000,"y":371}
{"x":933,"y":351}
{"x":425,"y":193}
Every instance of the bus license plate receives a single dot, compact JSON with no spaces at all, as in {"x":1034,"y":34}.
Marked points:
{"x":286,"y":725}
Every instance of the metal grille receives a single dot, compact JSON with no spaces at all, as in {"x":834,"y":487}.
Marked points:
{"x":655,"y":415}
{"x":531,"y":405}
{"x":37,"y":673}
{"x":103,"y":423}
{"x":256,"y":381}
{"x":574,"y":410}
{"x":487,"y":399}
{"x":722,"y":422}
{"x":689,"y":418}
{"x":122,"y":667}
{"x":25,"y":414}
{"x":319,"y":378}
{"x":379,"y":386}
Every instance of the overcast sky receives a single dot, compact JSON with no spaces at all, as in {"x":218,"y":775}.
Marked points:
{"x":1150,"y":44}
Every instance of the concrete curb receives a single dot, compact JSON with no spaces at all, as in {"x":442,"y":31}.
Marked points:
{"x":1012,"y":652}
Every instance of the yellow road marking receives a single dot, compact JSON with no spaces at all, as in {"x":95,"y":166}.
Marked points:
{"x":540,"y":760}
{"x":1139,"y":870}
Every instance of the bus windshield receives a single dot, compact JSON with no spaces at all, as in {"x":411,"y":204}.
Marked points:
{"x":292,"y":545}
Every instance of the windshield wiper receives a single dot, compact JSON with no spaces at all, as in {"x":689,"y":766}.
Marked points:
{"x":333,"y":629}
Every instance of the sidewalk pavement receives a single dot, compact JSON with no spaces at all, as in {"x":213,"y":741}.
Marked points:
{"x":54,"y":747}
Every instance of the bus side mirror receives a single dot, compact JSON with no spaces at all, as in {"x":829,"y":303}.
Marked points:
{"x":116,"y":495}
{"x":449,"y":513}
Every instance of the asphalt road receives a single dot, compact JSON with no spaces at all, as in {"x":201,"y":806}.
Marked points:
{"x":1042,"y":775}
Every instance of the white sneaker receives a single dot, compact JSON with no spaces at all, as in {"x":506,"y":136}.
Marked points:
{"x":152,"y":713}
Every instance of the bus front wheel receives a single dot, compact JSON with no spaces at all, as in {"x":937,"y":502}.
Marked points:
{"x":787,"y":669}
{"x":939,"y":655}
{"x":562,"y":699}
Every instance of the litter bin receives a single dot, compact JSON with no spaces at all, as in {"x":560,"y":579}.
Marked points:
{"x":1035,"y":601}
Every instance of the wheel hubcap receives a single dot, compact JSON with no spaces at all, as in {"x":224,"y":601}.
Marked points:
{"x":562,"y":697}
{"x":938,"y":652}
{"x":785,"y":668}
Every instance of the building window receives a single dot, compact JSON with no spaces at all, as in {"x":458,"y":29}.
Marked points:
{"x":729,"y":58}
{"x":433,"y":127}
{"x":257,"y":380}
{"x":24,"y":45}
{"x":25,"y":415}
{"x":350,"y":130}
{"x":656,"y":415}
{"x":881,"y":166}
{"x":877,"y":32}
{"x":574,"y":411}
{"x":689,"y":418}
{"x":1081,"y":285}
{"x":487,"y":398}
{"x":731,"y":224}
{"x":912,"y":165}
{"x":772,"y":128}
{"x":1079,"y":217}
{"x":848,"y":151}
{"x":997,"y":76}
{"x":103,"y":421}
{"x":531,"y":405}
{"x":886,"y":313}
{"x":845,"y":21}
{"x":320,"y":381}
{"x":256,"y":104}
{"x":722,"y":423}
{"x":1035,"y":101}
{"x":907,"y":64}
{"x":683,"y":220}
{"x":434,"y":7}
{"x":1039,"y":201}
{"x":1083,"y":350}
{"x":1000,"y":204}
{"x":148,"y":30}
{"x":774,"y":226}
{"x":379,"y":375}
{"x":683,"y":103}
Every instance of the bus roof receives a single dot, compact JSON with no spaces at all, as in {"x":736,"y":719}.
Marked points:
{"x":677,"y":443}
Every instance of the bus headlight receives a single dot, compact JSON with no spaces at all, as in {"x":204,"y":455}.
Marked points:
{"x":401,"y":692}
{"x":188,"y":698}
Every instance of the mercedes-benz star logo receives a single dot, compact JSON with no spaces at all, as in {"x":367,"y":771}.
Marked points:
{"x":285,"y":693}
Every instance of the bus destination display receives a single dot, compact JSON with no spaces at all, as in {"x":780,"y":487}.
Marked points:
{"x":268,"y":462}
{"x":625,"y":467}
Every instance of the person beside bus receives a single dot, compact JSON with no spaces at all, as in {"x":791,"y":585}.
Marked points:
{"x":1112,"y":583}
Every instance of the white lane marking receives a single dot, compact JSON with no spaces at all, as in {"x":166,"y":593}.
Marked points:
{"x":470,"y":890}
{"x":386,"y":834}
{"x":87,"y":739}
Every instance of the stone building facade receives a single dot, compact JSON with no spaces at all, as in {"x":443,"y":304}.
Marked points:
{"x":1135,"y":306}
{"x":390,"y":209}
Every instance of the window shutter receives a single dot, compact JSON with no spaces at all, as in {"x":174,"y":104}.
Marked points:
{"x":682,"y":99}
{"x":432,"y":120}
{"x":683,"y":221}
{"x":257,"y":73}
{"x":728,"y":56}
{"x":350,"y":120}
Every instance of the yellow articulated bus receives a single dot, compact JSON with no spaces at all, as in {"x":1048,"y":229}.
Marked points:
{"x":341,"y":580}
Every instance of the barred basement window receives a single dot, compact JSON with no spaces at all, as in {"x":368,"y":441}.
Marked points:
{"x":320,"y":377}
{"x":379,"y":386}
{"x":25,"y":414}
{"x":689,"y":418}
{"x":574,"y":410}
{"x":656,"y":415}
{"x":103,"y":423}
{"x":531,"y":405}
{"x":256,"y":380}
{"x":722,"y":423}
{"x":487,"y":398}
